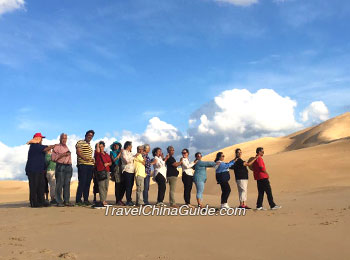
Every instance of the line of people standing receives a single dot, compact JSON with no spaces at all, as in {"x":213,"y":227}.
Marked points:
{"x":124,"y":169}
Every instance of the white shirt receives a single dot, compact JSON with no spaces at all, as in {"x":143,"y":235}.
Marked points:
{"x":159,"y":167}
{"x":127,"y":162}
{"x":187,"y":166}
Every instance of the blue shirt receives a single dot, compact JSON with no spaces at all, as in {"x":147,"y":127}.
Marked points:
{"x":36,"y":159}
{"x":224,"y":167}
{"x":113,"y":155}
{"x":200,"y":171}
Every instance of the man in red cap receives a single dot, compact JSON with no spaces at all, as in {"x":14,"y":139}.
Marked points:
{"x":35,"y":170}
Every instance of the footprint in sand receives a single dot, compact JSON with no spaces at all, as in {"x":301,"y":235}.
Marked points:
{"x":67,"y":255}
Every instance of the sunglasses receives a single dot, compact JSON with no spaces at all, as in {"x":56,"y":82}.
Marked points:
{"x":184,"y":152}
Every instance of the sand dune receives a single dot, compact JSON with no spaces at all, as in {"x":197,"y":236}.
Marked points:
{"x":310,"y":178}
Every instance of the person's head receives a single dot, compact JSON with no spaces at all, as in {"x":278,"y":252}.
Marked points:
{"x":146,"y":148}
{"x":116,"y":146}
{"x":219,"y":156}
{"x":140,"y":149}
{"x":238,"y":153}
{"x":89,"y":135}
{"x":102,"y":145}
{"x":170,"y":150}
{"x":198,"y":156}
{"x":185,"y":153}
{"x":128,"y":146}
{"x":63,"y":138}
{"x":156,"y":152}
{"x":260,"y":151}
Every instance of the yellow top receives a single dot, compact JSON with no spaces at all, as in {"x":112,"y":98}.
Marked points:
{"x":139,"y":166}
{"x":86,"y":151}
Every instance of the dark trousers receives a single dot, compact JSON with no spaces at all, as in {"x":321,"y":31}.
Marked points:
{"x":187,"y":181}
{"x":264,"y":186}
{"x":129,"y":179}
{"x":119,"y":191}
{"x":146,"y":189}
{"x":84,"y":178}
{"x":161,"y":181}
{"x":63,"y":175}
{"x":225,"y":191}
{"x":36,"y":188}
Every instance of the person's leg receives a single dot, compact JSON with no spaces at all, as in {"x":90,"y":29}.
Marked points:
{"x":223,"y":192}
{"x":146,"y":189}
{"x":122,"y":188}
{"x":81,"y":183}
{"x":50,"y":175}
{"x":200,"y":189}
{"x":172,"y":186}
{"x":268,"y":191}
{"x":46,"y":188}
{"x":261,"y":191}
{"x":59,"y":173}
{"x":32,"y":189}
{"x":161,"y":187}
{"x":140,"y":182}
{"x":89,"y":173}
{"x":138,"y":190}
{"x":244,"y":187}
{"x":227,"y":192}
{"x":41,"y":188}
{"x":129,"y":183}
{"x":187,"y":181}
{"x":67,"y":176}
{"x":102,"y":187}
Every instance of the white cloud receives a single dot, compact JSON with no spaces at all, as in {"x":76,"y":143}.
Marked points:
{"x":237,"y":115}
{"x":10,"y":5}
{"x":316,"y":112}
{"x":239,"y":2}
{"x":160,"y":131}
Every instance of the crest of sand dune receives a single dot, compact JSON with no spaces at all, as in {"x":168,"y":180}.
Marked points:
{"x":331,"y":130}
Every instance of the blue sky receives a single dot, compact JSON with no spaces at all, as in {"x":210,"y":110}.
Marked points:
{"x":111,"y":66}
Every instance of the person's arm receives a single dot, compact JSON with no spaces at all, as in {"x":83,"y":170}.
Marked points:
{"x":250,"y":163}
{"x":231,"y":163}
{"x":261,"y":164}
{"x":80,"y":153}
{"x":108,"y":163}
{"x":140,"y":159}
{"x":48,"y":148}
{"x":186,"y":164}
{"x":127,"y":159}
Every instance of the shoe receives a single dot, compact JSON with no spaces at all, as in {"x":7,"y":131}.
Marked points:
{"x":174,"y":206}
{"x":225,"y":206}
{"x":260,"y":208}
{"x":246,"y":207}
{"x":68,"y":204}
{"x":47,"y":204}
{"x":53,"y":201}
{"x":160,"y":204}
{"x":130,"y":204}
{"x":276,"y":207}
{"x":80,"y":203}
{"x":87,"y":203}
{"x":61,"y":205}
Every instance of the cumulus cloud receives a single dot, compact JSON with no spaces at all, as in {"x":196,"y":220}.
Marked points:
{"x":316,"y":112}
{"x":237,"y":115}
{"x":157,"y":132}
{"x":239,"y":2}
{"x":10,"y":5}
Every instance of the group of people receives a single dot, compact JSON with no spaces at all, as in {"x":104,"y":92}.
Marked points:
{"x":53,"y":164}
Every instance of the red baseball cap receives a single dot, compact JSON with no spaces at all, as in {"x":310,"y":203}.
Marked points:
{"x":38,"y":135}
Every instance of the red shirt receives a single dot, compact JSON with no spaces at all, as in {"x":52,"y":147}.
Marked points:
{"x":99,"y":164}
{"x":258,"y":168}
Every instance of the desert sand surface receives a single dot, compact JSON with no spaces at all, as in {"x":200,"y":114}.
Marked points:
{"x":310,"y":178}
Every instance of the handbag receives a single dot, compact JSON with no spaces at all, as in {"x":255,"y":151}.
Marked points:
{"x":102,"y":175}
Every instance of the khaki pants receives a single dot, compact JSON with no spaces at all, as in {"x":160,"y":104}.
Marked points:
{"x":50,"y":175}
{"x":172,"y":184}
{"x":140,"y":185}
{"x":242,"y":186}
{"x":103,"y":189}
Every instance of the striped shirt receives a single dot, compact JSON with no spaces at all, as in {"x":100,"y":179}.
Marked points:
{"x":86,"y":151}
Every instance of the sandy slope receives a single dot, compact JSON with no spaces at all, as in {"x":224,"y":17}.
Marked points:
{"x":312,"y":184}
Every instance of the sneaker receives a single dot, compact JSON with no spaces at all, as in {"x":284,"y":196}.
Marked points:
{"x":160,"y":204}
{"x":87,"y":203}
{"x":68,"y":204}
{"x":130,"y":204}
{"x":80,"y":203}
{"x":276,"y":207}
{"x":53,"y":201}
{"x":260,"y":208}
{"x":61,"y":205}
{"x":225,"y":206}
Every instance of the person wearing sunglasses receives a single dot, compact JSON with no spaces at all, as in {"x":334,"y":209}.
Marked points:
{"x":223,"y":177}
{"x":187,"y":176}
